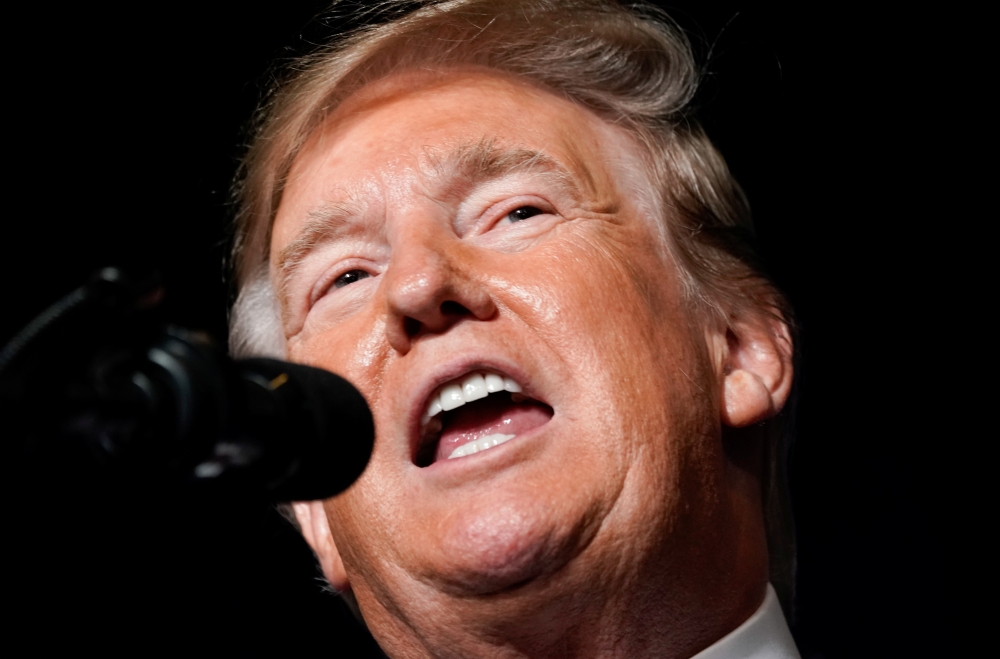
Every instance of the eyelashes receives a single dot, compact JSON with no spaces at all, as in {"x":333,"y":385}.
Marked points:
{"x":350,"y":277}
{"x":338,"y":277}
{"x":522,"y":213}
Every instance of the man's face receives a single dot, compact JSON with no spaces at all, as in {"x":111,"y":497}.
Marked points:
{"x":436,"y":229}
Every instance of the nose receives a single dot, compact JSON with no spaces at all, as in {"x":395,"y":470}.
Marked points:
{"x":431,"y":284}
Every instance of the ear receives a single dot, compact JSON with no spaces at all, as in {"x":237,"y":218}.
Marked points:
{"x":316,"y":530}
{"x":757,"y":371}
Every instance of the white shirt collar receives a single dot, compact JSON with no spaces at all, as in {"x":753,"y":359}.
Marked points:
{"x":764,"y":635}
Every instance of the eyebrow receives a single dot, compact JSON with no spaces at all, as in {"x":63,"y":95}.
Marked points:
{"x":325,"y":224}
{"x":473,"y":163}
{"x":462,"y":168}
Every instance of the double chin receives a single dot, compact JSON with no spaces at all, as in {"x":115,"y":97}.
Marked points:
{"x":491,"y":547}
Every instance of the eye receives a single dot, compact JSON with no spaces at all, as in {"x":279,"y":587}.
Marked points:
{"x":523,"y":213}
{"x":350,"y":277}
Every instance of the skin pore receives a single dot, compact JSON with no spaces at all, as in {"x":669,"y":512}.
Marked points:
{"x":439,"y":224}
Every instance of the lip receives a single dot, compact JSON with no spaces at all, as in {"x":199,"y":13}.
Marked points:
{"x":455,"y":368}
{"x":486,"y":464}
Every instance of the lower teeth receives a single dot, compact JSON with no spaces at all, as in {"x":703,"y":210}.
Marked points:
{"x":480,"y":445}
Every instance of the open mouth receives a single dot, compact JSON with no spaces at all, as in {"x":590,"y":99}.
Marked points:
{"x":474,"y":413}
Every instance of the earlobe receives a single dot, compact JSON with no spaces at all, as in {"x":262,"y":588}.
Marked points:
{"x":757,"y":372}
{"x":316,"y":530}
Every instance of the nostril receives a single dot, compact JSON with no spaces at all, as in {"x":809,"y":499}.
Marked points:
{"x":448,"y":312}
{"x":451,"y":308}
{"x":411,"y":326}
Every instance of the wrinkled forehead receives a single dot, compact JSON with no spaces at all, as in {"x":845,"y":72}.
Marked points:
{"x":445,"y":126}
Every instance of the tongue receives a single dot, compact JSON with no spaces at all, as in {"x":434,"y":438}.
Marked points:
{"x":495,"y":414}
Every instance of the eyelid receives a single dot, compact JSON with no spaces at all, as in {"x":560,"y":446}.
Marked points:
{"x":500,"y":210}
{"x":331,"y":274}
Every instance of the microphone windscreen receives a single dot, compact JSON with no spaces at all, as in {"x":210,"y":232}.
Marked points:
{"x":326,"y":422}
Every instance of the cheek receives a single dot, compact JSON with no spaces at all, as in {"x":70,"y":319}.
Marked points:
{"x":364,"y":521}
{"x":354,"y":350}
{"x":611,"y":309}
{"x":606,"y":298}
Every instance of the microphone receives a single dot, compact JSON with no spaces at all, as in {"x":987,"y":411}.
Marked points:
{"x":289,"y":431}
{"x":94,"y":390}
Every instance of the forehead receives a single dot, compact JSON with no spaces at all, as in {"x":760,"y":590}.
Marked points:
{"x":412,"y":126}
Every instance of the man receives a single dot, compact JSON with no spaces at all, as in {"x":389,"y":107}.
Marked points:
{"x":498,"y":220}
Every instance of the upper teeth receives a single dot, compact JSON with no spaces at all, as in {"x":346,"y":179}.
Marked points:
{"x":469,"y":388}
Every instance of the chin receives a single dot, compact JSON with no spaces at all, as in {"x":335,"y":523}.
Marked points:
{"x":499,"y":546}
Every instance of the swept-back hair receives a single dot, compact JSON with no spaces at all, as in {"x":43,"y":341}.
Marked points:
{"x":629,"y":65}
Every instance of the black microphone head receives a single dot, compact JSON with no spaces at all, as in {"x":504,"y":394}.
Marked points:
{"x":324,"y":425}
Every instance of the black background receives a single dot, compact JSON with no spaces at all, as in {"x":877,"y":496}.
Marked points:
{"x":123,"y":131}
